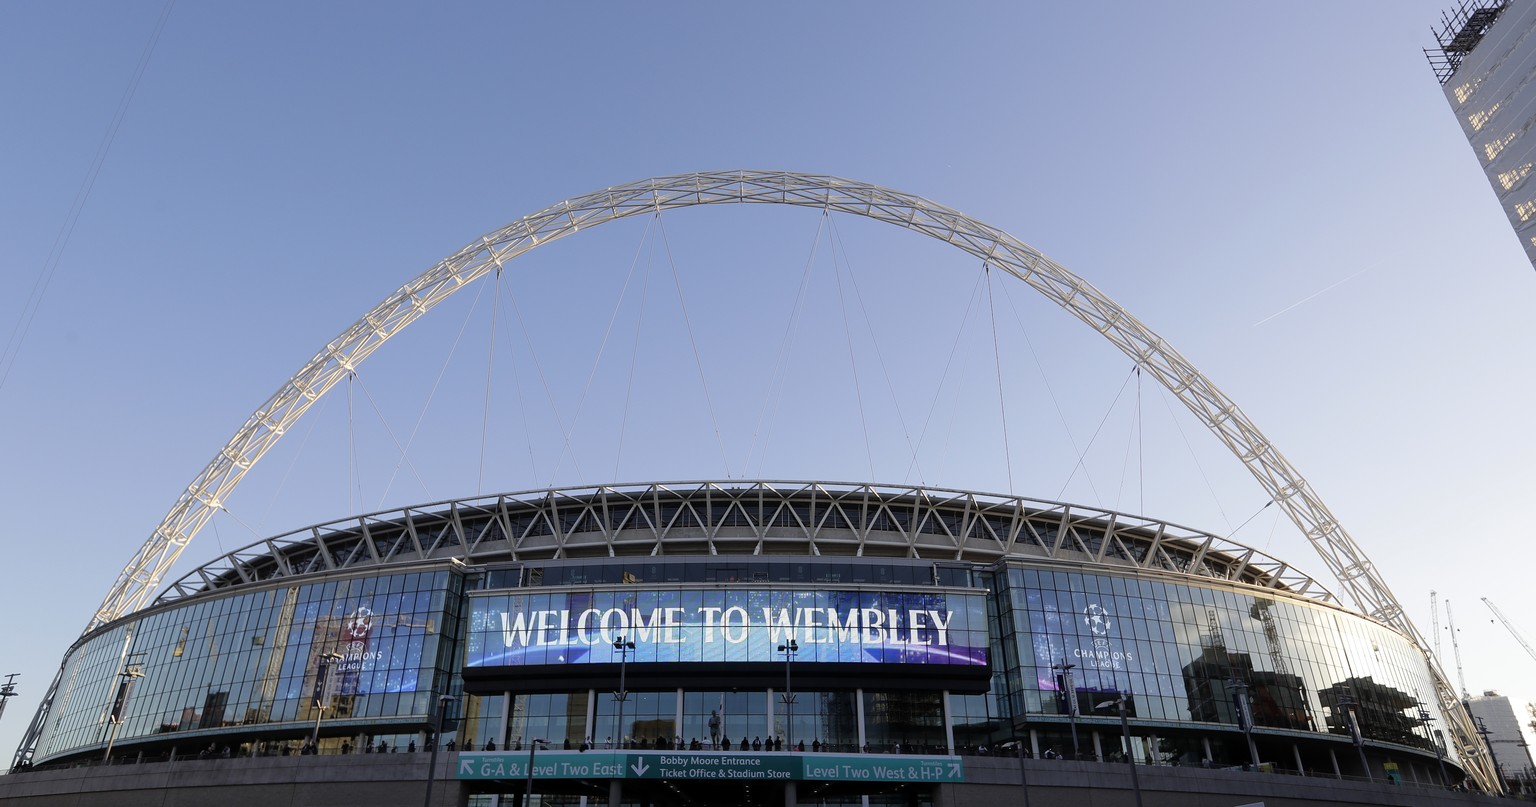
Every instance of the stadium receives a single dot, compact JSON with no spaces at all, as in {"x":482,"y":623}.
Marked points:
{"x":750,"y":642}
{"x":895,"y":597}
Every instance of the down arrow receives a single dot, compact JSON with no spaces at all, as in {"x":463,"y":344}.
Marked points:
{"x":640,"y":767}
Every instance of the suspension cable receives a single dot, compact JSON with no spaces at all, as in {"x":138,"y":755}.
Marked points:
{"x":1082,"y":456}
{"x":634,"y":348}
{"x":997,"y":361}
{"x":698,"y":361}
{"x":354,"y":477}
{"x":549,"y":395}
{"x":839,"y":244}
{"x":1191,"y":449}
{"x":949,"y":362}
{"x":490,"y":366}
{"x":392,"y":438}
{"x":432,"y":394}
{"x":775,"y":382}
{"x":34,"y":301}
{"x":596,"y":363}
{"x":858,"y":392}
{"x":1045,"y":379}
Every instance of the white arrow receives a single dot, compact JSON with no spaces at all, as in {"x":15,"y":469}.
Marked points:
{"x":954,"y":769}
{"x":466,"y":766}
{"x":640,"y":767}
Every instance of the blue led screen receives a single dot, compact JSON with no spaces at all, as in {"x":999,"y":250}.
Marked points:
{"x":727,"y":625}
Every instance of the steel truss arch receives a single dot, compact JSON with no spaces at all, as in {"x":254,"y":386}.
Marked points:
{"x":1357,"y":576}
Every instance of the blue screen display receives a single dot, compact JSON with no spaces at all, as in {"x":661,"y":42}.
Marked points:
{"x":727,"y":625}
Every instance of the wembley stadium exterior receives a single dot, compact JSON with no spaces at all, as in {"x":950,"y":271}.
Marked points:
{"x":921,"y":621}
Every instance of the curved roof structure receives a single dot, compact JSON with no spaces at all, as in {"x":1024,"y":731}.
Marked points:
{"x":737,"y":517}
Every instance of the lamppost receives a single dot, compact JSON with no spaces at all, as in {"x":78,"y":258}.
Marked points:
{"x":323,"y":672}
{"x":1069,"y":690}
{"x":1426,"y":719}
{"x":1125,"y":733}
{"x":528,"y":788}
{"x":133,"y":670}
{"x":437,"y":739}
{"x":623,"y":646}
{"x":789,"y":650}
{"x":1244,"y":709}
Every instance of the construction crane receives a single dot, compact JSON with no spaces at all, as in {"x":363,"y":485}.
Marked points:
{"x":1434,"y":618}
{"x":1461,"y":677}
{"x":1509,"y":627}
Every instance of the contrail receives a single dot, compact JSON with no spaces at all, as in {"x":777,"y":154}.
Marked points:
{"x":1314,"y":296}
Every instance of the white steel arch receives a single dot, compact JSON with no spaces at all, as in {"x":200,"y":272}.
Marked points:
{"x":1356,"y":574}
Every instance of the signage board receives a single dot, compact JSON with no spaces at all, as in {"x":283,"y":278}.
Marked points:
{"x":710,"y":765}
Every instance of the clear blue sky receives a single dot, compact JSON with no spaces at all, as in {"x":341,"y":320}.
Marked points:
{"x":283,"y":166}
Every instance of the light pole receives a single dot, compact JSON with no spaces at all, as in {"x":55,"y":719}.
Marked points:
{"x":322,"y":693}
{"x":1069,"y":690}
{"x":1125,"y":733}
{"x":528,"y":788}
{"x":623,"y":646}
{"x":1244,"y":709}
{"x":789,"y":650}
{"x":133,"y":670}
{"x":437,"y":739}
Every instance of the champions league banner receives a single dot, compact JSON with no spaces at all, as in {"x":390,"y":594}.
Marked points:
{"x":727,"y":626}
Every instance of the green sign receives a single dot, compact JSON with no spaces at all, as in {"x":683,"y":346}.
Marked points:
{"x":881,"y":768}
{"x":709,"y":765}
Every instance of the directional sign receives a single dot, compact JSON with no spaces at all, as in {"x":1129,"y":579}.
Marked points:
{"x":882,"y":768}
{"x":783,"y":767}
{"x":546,"y":765}
{"x":710,"y":765}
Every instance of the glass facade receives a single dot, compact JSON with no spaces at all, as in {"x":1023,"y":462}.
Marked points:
{"x":383,"y":647}
{"x":376,"y":643}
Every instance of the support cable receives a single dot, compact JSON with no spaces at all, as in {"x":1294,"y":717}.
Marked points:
{"x":840,"y":245}
{"x":432,"y":394}
{"x":549,"y":395}
{"x":634,"y":347}
{"x":393,"y":439}
{"x":1141,"y":441}
{"x":490,"y":367}
{"x":1084,"y":454}
{"x":949,"y":362}
{"x":303,"y":443}
{"x":34,"y":301}
{"x":853,"y":363}
{"x":698,"y":361}
{"x":997,"y":361}
{"x":1190,"y":447}
{"x":1250,"y":518}
{"x":354,"y":474}
{"x":597,"y":362}
{"x":775,"y":383}
{"x":1045,"y":379}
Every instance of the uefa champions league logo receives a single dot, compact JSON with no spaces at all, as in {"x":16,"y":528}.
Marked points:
{"x":359,"y":624}
{"x":1097,"y":619}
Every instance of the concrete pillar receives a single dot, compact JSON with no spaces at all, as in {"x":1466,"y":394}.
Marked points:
{"x":591,"y":717}
{"x":1337,"y":774}
{"x":677,"y":718}
{"x":949,"y":723}
{"x":790,"y":798}
{"x":1205,"y":742}
{"x":858,"y":708}
{"x":1098,"y":748}
{"x":506,"y":717}
{"x":615,"y":792}
{"x":1034,"y":743}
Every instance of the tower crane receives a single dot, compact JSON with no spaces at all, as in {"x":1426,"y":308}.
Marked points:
{"x":1461,"y":677}
{"x":1509,"y":627}
{"x":1434,"y":618}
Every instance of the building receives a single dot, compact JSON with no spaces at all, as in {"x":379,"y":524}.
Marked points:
{"x":1486,"y":63}
{"x":634,"y":627}
{"x":1494,"y":714}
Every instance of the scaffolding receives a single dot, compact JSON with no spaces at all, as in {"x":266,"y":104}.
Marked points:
{"x":1461,"y":29}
